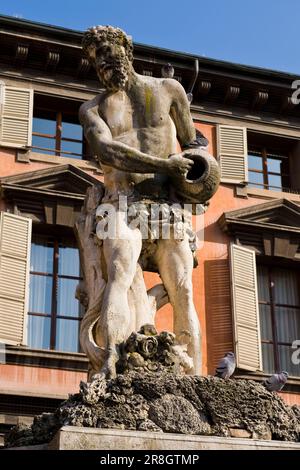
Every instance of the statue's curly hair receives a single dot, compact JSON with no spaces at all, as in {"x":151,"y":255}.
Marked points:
{"x":97,"y":34}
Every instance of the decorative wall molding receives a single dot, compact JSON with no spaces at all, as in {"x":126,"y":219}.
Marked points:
{"x":270,"y":229}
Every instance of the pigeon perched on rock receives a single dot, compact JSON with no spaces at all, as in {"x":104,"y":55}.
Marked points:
{"x":226,"y":366}
{"x":276,"y":382}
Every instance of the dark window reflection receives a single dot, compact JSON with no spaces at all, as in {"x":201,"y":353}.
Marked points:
{"x":54,"y":313}
{"x":279,"y":312}
{"x":268,"y":171}
{"x":56,"y":129}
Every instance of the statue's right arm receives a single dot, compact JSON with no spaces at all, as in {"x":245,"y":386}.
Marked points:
{"x":117,"y":154}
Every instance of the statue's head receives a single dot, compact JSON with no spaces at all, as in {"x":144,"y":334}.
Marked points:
{"x":110,"y":51}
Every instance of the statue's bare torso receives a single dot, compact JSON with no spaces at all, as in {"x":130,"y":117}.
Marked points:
{"x":140,"y":118}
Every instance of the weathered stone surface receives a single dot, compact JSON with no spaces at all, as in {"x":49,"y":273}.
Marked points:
{"x":149,"y":351}
{"x":262,"y":431}
{"x":177,"y":414}
{"x":170,"y":403}
{"x":239,"y":433}
{"x":71,"y":438}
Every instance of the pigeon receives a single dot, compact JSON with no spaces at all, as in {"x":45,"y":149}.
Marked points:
{"x":226,"y":366}
{"x":167,"y":71}
{"x":276,"y":382}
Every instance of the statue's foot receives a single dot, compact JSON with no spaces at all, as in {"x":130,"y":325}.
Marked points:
{"x":109,"y":367}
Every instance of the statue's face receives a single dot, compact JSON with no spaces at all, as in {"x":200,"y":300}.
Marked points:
{"x":112,"y":65}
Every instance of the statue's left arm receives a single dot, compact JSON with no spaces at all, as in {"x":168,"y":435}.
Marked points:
{"x":187,"y":135}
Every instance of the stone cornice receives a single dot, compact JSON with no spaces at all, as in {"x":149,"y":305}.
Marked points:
{"x":49,"y":51}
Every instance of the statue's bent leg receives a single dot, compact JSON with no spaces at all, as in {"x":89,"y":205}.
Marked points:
{"x":121,"y":257}
{"x":175,"y":263}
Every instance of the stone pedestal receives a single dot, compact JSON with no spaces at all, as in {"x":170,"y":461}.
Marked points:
{"x":78,"y":438}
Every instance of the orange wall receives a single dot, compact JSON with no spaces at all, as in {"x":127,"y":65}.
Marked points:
{"x":39,"y":381}
{"x":9,"y":166}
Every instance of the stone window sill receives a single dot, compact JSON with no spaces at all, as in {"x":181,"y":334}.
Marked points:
{"x":26,"y":156}
{"x":21,"y":355}
{"x":292,"y":385}
{"x":267,"y":194}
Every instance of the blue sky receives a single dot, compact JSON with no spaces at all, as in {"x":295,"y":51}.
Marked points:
{"x":254,"y":32}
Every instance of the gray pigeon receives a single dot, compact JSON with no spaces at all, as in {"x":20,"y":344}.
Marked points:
{"x":226,"y":366}
{"x":167,"y":71}
{"x":276,"y":382}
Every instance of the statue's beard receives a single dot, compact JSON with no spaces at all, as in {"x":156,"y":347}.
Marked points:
{"x":115,"y":76}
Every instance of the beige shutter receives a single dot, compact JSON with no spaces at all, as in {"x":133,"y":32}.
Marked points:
{"x":2,"y":85}
{"x":245,"y":308}
{"x":232,"y":151}
{"x":16,"y":117}
{"x":15,"y":238}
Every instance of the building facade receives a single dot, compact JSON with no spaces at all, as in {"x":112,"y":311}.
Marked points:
{"x":246,"y":284}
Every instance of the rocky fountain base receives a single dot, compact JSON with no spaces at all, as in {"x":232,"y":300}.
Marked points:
{"x":150,"y":393}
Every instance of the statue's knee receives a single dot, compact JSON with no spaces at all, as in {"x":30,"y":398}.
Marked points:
{"x":121,"y":272}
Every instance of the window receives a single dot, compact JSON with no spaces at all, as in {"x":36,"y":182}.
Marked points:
{"x":263,"y":161}
{"x":279,"y":309}
{"x":56,"y":129}
{"x":54,"y":313}
{"x":268,"y":170}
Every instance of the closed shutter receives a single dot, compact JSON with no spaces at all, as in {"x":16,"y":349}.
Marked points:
{"x":218,"y":311}
{"x":245,"y":308}
{"x":232,"y":151}
{"x":16,"y":117}
{"x":15,"y":238}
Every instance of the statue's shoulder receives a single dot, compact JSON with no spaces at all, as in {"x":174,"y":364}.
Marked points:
{"x":89,"y":105}
{"x":172,"y":86}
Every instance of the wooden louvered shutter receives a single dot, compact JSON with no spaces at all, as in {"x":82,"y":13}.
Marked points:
{"x":16,"y":117}
{"x":245,"y":308}
{"x":15,"y":239}
{"x":232,"y":151}
{"x":219,"y":325}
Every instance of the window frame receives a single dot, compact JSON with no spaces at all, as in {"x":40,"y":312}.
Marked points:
{"x":53,"y":315}
{"x":264,"y":153}
{"x":40,"y":110}
{"x":273,"y":305}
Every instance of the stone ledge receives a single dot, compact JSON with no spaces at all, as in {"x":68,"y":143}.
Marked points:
{"x":78,"y":438}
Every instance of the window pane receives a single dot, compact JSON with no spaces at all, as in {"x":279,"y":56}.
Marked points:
{"x":255,"y":162}
{"x":286,"y":287}
{"x":285,"y":359}
{"x":268,"y":358}
{"x":39,"y":332}
{"x":256,"y":178}
{"x":73,"y":147}
{"x":44,"y":126}
{"x":71,"y":131}
{"x":41,"y":258}
{"x":287,"y":324}
{"x":263,"y":283}
{"x":275,"y":181}
{"x":43,"y":143}
{"x":40,"y":294}
{"x":67,"y":335}
{"x":274,"y":165}
{"x":265,"y":322}
{"x":67,"y":305}
{"x":68,"y":261}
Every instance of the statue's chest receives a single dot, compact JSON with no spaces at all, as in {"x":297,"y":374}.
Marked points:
{"x":143,"y":109}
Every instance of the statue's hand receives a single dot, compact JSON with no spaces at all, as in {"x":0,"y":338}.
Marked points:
{"x":179,"y":165}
